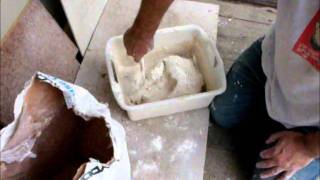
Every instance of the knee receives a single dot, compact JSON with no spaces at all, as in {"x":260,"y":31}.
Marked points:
{"x":222,"y":115}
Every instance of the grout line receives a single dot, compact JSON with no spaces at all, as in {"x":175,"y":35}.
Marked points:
{"x":95,"y":28}
{"x":252,"y":21}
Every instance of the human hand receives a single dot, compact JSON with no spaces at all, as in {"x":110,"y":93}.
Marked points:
{"x":137,"y":43}
{"x":286,"y":157}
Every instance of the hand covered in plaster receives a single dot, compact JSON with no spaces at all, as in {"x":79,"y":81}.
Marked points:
{"x":137,"y":43}
{"x":288,"y":155}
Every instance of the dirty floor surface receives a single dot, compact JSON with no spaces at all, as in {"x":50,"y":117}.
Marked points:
{"x":239,"y":25}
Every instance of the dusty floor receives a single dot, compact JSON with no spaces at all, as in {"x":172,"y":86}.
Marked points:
{"x":239,"y":26}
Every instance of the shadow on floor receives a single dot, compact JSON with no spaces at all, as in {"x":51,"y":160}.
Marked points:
{"x":222,"y":159}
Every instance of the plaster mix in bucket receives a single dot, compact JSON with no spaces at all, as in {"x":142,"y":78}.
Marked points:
{"x":183,"y":72}
{"x":164,"y":77}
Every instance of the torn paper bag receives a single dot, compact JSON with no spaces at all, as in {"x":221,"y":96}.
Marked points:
{"x":60,"y":131}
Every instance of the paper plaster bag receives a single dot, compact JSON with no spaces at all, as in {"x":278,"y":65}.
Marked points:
{"x":60,"y":131}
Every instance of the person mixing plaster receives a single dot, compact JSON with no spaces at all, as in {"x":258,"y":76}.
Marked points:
{"x":272,"y":97}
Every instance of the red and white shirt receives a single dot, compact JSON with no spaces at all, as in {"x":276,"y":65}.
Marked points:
{"x":291,"y":62}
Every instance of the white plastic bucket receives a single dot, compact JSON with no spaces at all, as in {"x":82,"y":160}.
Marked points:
{"x":208,"y":60}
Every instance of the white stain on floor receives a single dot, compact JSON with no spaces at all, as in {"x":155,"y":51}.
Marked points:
{"x":184,"y":149}
{"x":187,"y":146}
{"x":132,"y":152}
{"x":157,"y":143}
{"x":144,"y":168}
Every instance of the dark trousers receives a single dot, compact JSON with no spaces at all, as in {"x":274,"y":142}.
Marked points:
{"x":242,"y":108}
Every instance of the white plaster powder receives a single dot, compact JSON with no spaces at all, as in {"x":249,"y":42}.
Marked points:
{"x":157,"y":143}
{"x":172,"y":76}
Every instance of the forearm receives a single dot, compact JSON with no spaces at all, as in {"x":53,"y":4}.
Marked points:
{"x":150,"y":15}
{"x":312,"y":142}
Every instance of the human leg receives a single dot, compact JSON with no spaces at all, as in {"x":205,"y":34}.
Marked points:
{"x":245,"y":89}
{"x":242,"y":106}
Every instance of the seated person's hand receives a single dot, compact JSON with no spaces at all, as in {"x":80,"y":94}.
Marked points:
{"x":137,"y":43}
{"x":289,"y":154}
